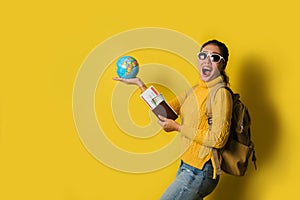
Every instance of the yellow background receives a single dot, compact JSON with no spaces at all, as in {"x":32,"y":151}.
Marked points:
{"x":43,"y":44}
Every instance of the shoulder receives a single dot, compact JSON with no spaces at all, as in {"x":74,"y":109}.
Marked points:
{"x":223,"y":93}
{"x":225,"y":90}
{"x":185,"y":94}
{"x":191,"y":90}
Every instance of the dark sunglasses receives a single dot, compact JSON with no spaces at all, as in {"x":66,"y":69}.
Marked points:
{"x":212,"y":56}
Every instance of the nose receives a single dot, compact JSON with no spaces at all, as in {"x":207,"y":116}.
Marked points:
{"x":207,"y":59}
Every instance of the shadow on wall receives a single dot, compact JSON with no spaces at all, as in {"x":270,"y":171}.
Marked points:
{"x":254,"y":87}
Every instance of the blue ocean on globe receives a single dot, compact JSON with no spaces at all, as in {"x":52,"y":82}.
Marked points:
{"x":127,"y":67}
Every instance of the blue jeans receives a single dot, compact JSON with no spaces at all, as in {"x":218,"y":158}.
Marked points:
{"x":191,"y":183}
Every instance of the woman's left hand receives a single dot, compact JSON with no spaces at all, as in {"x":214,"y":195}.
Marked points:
{"x":168,"y":124}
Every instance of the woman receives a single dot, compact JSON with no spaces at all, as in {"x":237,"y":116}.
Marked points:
{"x":197,"y":175}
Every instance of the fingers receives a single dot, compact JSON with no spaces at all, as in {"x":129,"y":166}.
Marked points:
{"x":123,"y":80}
{"x":116,"y":78}
{"x":168,"y":125}
{"x":162,"y":121}
{"x":162,"y":118}
{"x":128,"y":81}
{"x":120,"y":79}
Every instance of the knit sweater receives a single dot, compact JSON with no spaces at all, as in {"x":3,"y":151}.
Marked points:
{"x":198,"y":140}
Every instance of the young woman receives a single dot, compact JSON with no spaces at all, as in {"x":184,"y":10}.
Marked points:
{"x":197,"y":175}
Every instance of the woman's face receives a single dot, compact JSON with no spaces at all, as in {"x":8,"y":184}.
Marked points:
{"x":209,"y":69}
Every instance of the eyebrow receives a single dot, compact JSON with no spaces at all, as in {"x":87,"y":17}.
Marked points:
{"x":213,"y":52}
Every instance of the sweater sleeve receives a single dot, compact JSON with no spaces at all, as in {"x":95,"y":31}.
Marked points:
{"x":221,"y":120}
{"x":176,"y":102}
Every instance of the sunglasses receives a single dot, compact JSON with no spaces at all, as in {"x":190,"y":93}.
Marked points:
{"x":212,"y":56}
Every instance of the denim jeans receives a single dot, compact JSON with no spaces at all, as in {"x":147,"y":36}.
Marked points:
{"x":191,"y":183}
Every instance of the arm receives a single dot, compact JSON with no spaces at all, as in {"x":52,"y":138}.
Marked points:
{"x":167,"y":124}
{"x":218,"y":135}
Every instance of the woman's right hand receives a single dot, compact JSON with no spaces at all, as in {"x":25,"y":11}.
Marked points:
{"x":132,"y":81}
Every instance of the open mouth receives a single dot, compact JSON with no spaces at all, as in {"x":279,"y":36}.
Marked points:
{"x":206,"y":71}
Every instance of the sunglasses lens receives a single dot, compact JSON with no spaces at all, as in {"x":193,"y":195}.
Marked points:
{"x":215,"y":58}
{"x":202,"y":56}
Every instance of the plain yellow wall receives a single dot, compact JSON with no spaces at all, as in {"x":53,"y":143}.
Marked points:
{"x":43,"y":45}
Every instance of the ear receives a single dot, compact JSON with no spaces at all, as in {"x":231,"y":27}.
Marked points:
{"x":224,"y":65}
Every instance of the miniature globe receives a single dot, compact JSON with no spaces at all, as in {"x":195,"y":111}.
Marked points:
{"x":127,"y":67}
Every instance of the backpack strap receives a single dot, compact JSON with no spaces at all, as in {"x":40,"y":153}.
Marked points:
{"x":209,"y":102}
{"x":210,"y":99}
{"x":215,"y":157}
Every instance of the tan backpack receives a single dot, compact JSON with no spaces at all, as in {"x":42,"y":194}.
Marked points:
{"x":239,"y":147}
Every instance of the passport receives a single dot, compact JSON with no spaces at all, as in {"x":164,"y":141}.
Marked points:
{"x":158,"y":104}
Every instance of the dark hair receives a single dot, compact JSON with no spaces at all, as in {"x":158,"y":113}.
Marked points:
{"x":224,"y":52}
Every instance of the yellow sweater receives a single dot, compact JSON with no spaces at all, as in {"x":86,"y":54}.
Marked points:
{"x":198,"y":140}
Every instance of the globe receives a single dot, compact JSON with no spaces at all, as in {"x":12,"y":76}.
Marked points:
{"x":127,"y":67}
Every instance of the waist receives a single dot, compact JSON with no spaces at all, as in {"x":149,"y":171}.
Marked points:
{"x":207,"y":165}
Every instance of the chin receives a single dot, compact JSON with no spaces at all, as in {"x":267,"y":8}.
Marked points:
{"x":205,"y":78}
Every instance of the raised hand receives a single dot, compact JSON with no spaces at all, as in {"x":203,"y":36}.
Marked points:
{"x":132,"y":81}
